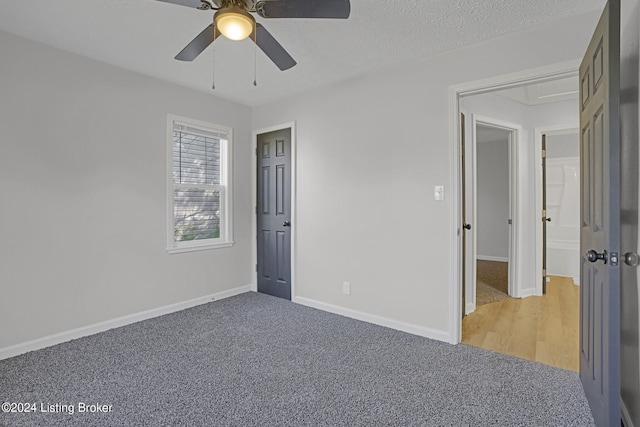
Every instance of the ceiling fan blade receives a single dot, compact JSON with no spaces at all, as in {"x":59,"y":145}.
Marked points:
{"x":272,"y":48}
{"x":189,"y":3}
{"x":199,"y":44}
{"x":334,"y":9}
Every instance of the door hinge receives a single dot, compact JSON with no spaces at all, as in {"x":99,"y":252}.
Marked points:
{"x":544,"y":213}
{"x":544,"y":273}
{"x":544,"y":154}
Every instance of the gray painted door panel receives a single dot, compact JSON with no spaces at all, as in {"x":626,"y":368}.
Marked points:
{"x":600,"y":219}
{"x":274,"y":213}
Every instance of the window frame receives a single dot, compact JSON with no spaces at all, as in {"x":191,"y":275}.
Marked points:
{"x":225,"y":239}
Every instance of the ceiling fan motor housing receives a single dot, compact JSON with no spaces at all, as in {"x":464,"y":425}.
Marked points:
{"x":248,"y":5}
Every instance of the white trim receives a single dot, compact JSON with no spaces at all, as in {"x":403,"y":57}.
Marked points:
{"x":549,"y":130}
{"x":225,"y":188}
{"x":456,"y":310}
{"x":254,"y":198}
{"x":375,"y":319}
{"x":506,"y":81}
{"x":492,"y":258}
{"x":200,"y":247}
{"x":550,"y":72}
{"x":626,"y":416}
{"x":472,"y":238}
{"x":84,"y":331}
{"x":575,"y":280}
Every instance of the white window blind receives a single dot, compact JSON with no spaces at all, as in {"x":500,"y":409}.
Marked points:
{"x":199,"y":187}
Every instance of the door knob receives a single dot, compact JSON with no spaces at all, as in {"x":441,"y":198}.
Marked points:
{"x":594,"y":256}
{"x":548,"y":219}
{"x":631,"y":259}
{"x":286,"y":224}
{"x":467,"y":226}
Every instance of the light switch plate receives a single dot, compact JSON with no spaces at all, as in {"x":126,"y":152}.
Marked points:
{"x":438,"y":192}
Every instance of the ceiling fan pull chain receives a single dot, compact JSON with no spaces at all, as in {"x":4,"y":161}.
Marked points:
{"x":213,"y":71}
{"x":255,"y":55}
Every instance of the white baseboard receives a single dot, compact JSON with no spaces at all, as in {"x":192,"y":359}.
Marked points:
{"x":576,"y":280}
{"x":375,"y":319}
{"x":492,"y":258}
{"x":528,"y":292}
{"x":470,"y":308}
{"x":626,"y":417}
{"x":61,"y":337}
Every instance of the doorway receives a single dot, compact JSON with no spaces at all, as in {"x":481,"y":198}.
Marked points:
{"x":493,"y":207}
{"x":515,"y":326}
{"x":524,"y":218}
{"x":490,"y":210}
{"x":562,"y":210}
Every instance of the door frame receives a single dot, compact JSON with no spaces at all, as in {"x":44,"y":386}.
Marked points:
{"x":254,"y":203}
{"x":550,"y":72}
{"x":572,"y":127}
{"x":514,"y":138}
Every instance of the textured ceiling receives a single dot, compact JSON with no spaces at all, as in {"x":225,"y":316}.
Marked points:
{"x":145,"y":35}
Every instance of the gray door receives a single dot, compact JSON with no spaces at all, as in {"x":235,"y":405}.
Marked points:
{"x":600,"y":219}
{"x":544,"y":214}
{"x":274,"y":213}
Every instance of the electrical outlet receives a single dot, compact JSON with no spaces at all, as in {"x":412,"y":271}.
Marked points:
{"x":346,"y":288}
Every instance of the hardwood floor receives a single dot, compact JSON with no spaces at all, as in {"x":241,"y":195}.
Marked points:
{"x":544,"y":329}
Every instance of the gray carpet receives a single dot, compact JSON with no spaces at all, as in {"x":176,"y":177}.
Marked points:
{"x":255,"y":360}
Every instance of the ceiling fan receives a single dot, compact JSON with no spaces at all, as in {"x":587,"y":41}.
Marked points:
{"x":233,"y":20}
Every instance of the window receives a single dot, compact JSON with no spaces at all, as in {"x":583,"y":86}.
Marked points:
{"x":198,"y":185}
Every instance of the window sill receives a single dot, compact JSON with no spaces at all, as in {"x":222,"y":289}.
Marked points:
{"x":201,"y":247}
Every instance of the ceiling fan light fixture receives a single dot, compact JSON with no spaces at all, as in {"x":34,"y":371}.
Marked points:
{"x":234,"y":23}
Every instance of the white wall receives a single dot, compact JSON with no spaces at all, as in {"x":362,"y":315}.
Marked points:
{"x":563,"y":145}
{"x":493,"y":199}
{"x":82,"y":175}
{"x":370,"y":151}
